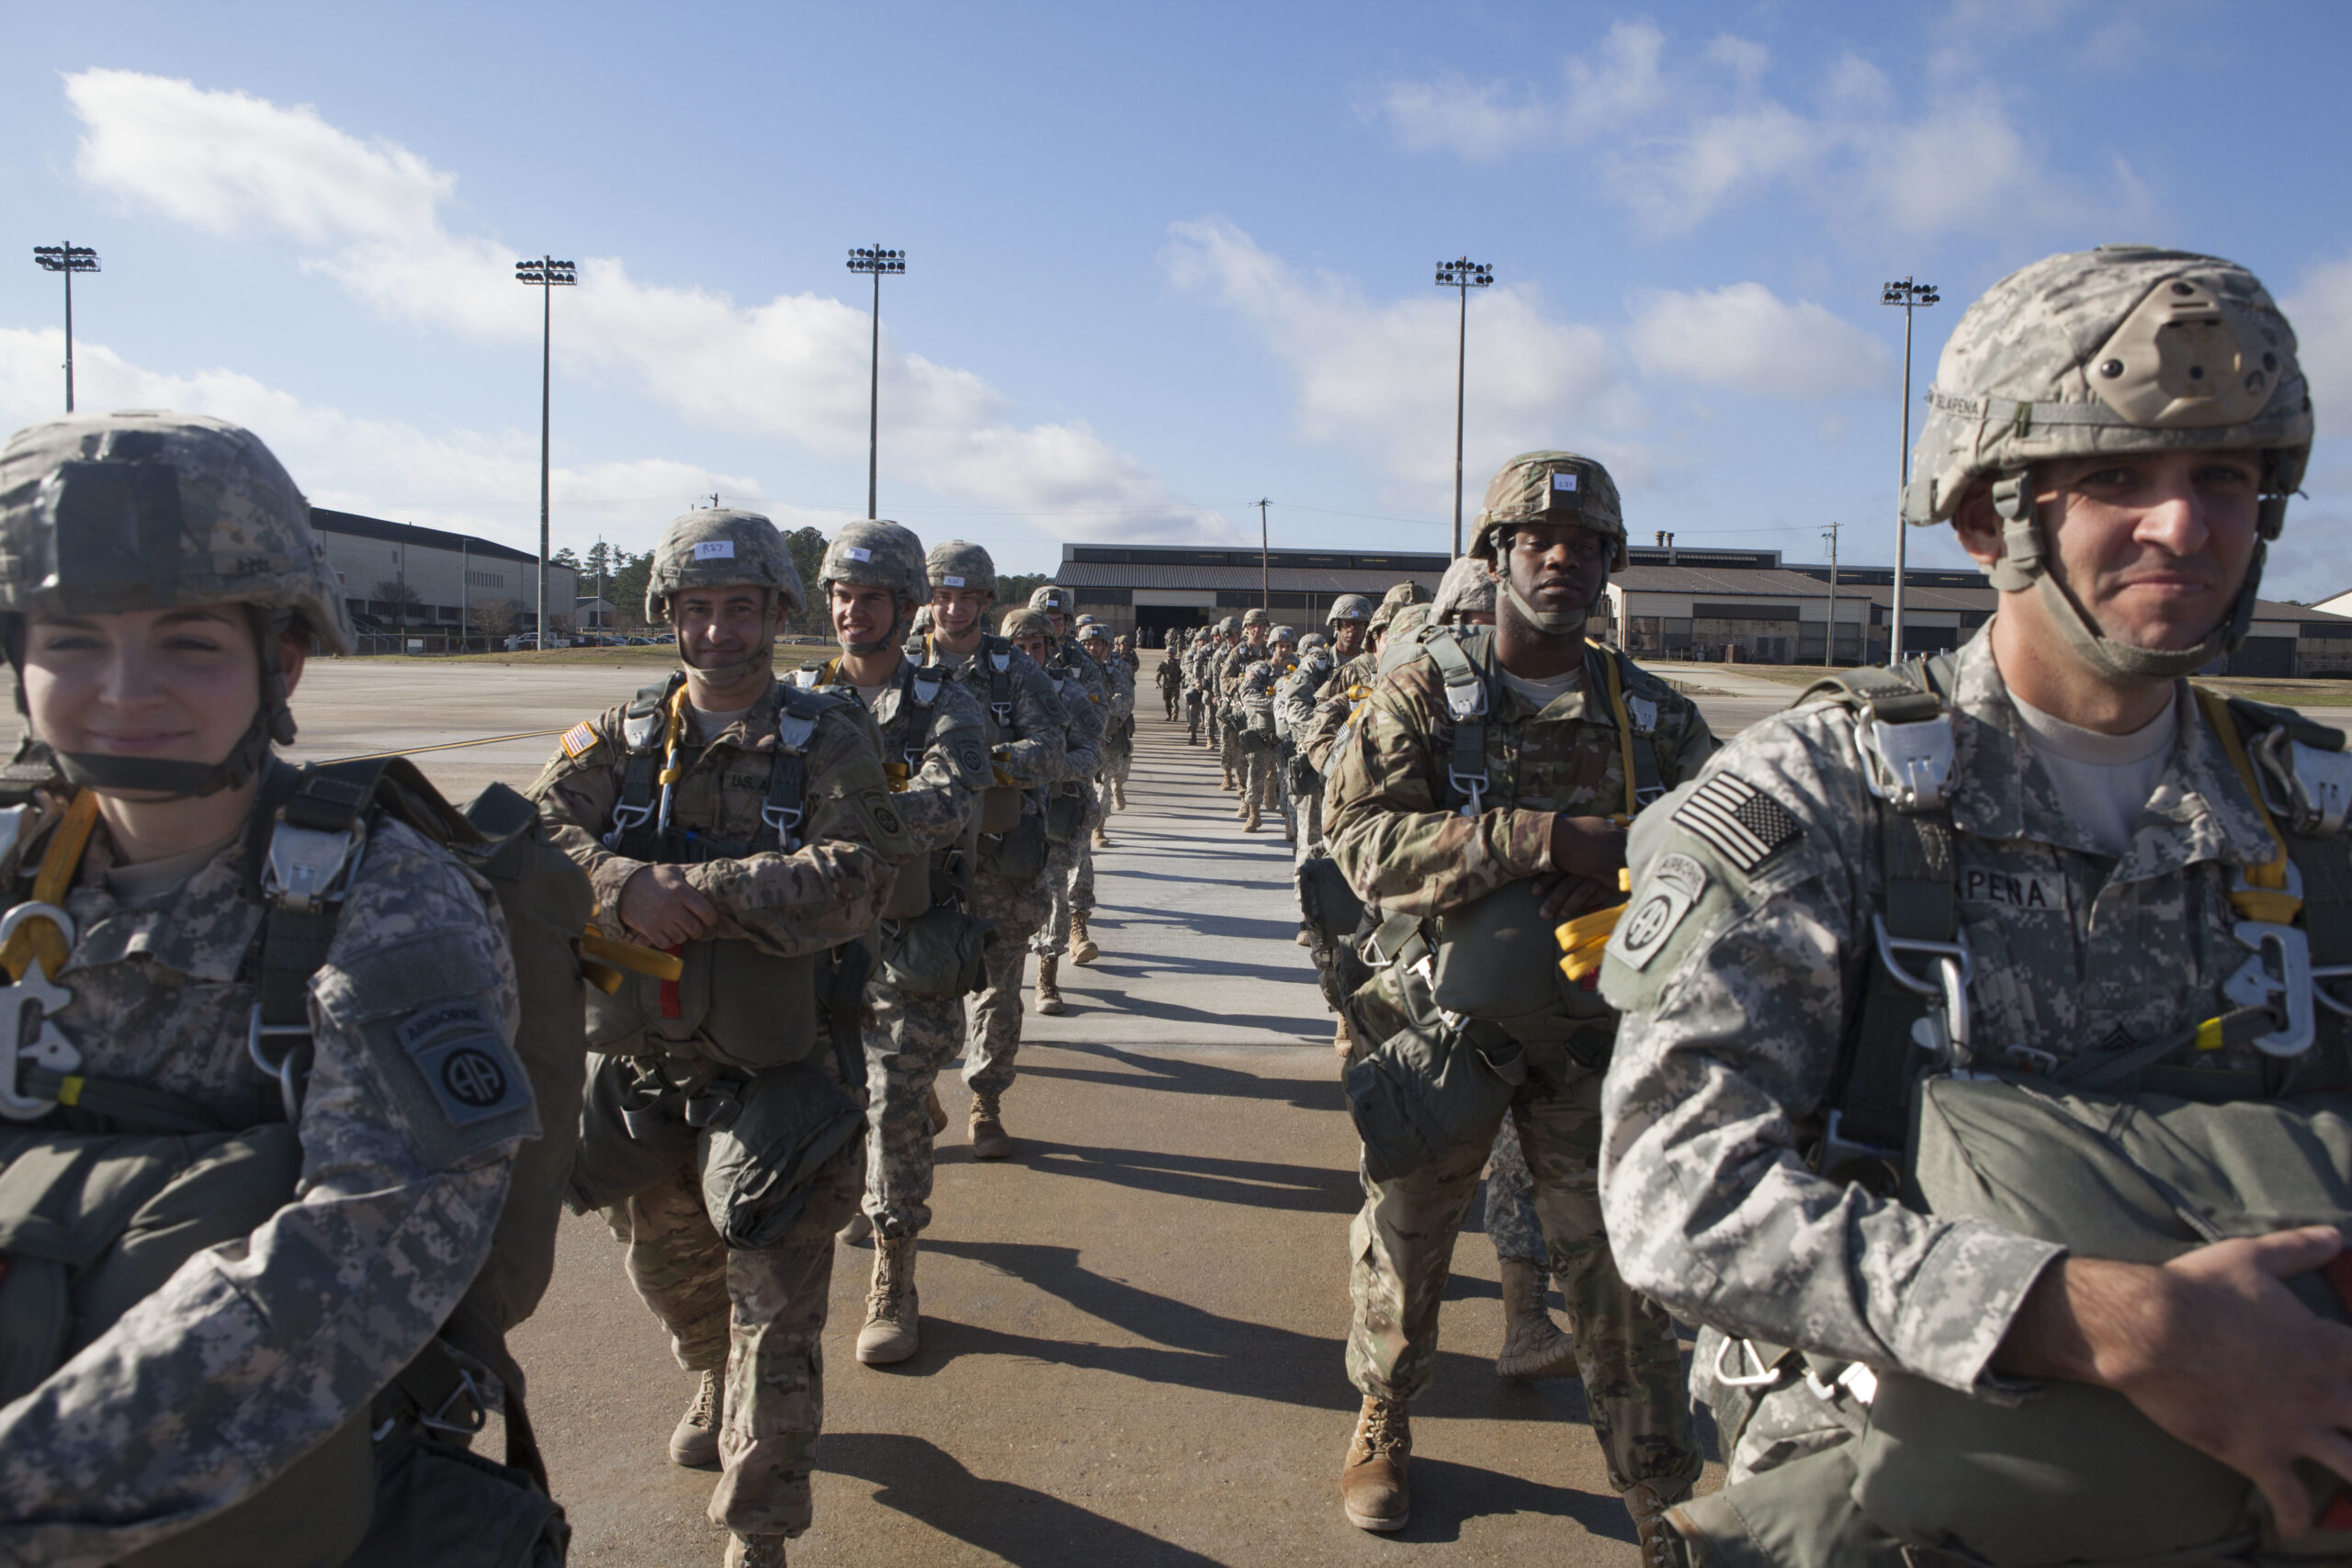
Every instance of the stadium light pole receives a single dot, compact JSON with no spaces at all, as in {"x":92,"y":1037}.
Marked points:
{"x":1911,"y":297}
{"x":877,"y":261}
{"x":1462,"y":276}
{"x":68,"y":259}
{"x":547,"y":275}
{"x":1265,"y":571}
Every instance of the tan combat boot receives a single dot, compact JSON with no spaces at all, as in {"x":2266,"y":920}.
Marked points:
{"x":892,"y":1331}
{"x":1534,"y":1346}
{"x":1658,"y":1542}
{"x":1342,"y":1041}
{"x":1250,"y":822}
{"x":1081,"y":947}
{"x":989,"y":1140}
{"x":756,"y":1552}
{"x":1373,"y":1487}
{"x":936,"y":1111}
{"x":694,"y":1445}
{"x":1050,"y":994}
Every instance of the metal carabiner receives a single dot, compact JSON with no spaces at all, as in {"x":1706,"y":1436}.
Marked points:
{"x":1955,"y":967}
{"x":1763,"y":1379}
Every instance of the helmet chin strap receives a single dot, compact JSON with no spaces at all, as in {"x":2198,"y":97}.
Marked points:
{"x":2021,"y":567}
{"x":1559,"y":623}
{"x":168,"y":779}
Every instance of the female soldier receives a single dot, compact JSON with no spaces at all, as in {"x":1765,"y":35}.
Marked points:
{"x":256,"y":1064}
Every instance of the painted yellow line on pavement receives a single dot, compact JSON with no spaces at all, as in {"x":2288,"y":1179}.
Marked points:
{"x":450,"y":746}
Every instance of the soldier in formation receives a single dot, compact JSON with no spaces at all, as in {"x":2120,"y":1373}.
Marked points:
{"x":1026,"y":753}
{"x":1073,"y":802}
{"x":1979,"y":1013}
{"x":265,"y":1106}
{"x":1169,"y":672}
{"x":935,"y":754}
{"x":1247,"y":648}
{"x":748,"y":827}
{"x":1118,"y":737}
{"x":1480,"y":797}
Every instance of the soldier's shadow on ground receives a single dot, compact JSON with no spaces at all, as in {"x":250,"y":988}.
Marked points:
{"x":1252,"y":1184}
{"x":1194,"y":1347}
{"x":1164,"y":1074}
{"x":1014,"y":1523}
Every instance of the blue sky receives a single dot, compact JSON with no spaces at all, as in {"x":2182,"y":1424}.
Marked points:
{"x":1162,"y":261}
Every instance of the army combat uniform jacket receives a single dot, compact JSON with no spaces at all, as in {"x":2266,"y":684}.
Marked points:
{"x":254,"y":1352}
{"x":1738,"y":994}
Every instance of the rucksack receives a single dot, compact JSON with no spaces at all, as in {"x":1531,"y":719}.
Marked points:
{"x":98,"y":1207}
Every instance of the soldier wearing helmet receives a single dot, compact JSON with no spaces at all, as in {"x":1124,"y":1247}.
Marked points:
{"x":1988,"y":923}
{"x":1118,"y":746}
{"x":1027,"y":730}
{"x":1073,"y":802}
{"x":1200,"y":705}
{"x":935,"y":753}
{"x":1169,"y":674}
{"x":747,"y":825}
{"x":1480,"y":797}
{"x":275,"y":1016}
{"x":1247,"y":648}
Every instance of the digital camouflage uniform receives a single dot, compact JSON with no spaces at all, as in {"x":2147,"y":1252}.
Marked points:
{"x":1398,"y":833}
{"x":1294,"y":714}
{"x":1770,"y":877}
{"x":1170,"y":674}
{"x":1079,"y":687}
{"x":828,"y":891}
{"x":254,"y":1351}
{"x":1118,"y":744}
{"x":1027,"y":746}
{"x":909,"y":1039}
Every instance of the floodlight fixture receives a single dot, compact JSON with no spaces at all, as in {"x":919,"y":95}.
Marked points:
{"x":878,"y":261}
{"x":67,"y":260}
{"x":1909,"y":295}
{"x":1462,"y":274}
{"x":547,"y":275}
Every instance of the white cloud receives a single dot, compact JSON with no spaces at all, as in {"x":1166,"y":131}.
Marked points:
{"x":373,"y":216}
{"x":2322,"y":311}
{"x":1674,"y":138}
{"x":1376,"y":378}
{"x":1747,"y":338}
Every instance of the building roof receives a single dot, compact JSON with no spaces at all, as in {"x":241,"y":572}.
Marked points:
{"x":351,"y":523}
{"x":1279,"y":577}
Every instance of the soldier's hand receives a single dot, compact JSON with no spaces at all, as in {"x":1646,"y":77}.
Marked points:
{"x":1565,"y":896}
{"x":661,"y":909}
{"x":1591,"y":847}
{"x":2212,"y":1348}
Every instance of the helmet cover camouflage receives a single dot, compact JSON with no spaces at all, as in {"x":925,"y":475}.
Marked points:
{"x":1020,"y":621}
{"x":1283,"y":633}
{"x":1559,"y":487}
{"x":875,"y":553}
{"x":1052,"y":600}
{"x":1408,"y":619}
{"x":145,"y":509}
{"x":721,"y":547}
{"x":1254,"y":617}
{"x":959,"y":563}
{"x":1093,"y":631}
{"x":1229,"y":627}
{"x":1467,"y":589}
{"x":2125,"y":350}
{"x":1349,"y":607}
{"x":1312,"y":641}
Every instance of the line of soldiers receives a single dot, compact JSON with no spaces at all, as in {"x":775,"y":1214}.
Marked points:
{"x":1967,"y":1051}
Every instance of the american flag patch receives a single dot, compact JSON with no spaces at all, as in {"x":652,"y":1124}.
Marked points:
{"x":1736,"y":820}
{"x":577,"y":740}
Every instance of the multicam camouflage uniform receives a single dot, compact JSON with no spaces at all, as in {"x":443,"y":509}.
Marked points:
{"x":1736,"y":1005}
{"x":1261,"y":783}
{"x":1170,"y":674}
{"x":1294,"y":716}
{"x":1231,"y":665}
{"x":759,"y":1314}
{"x":254,"y":1352}
{"x":1397,"y":829}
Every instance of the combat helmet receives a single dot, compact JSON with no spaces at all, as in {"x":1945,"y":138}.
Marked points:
{"x":1467,"y":589}
{"x":1399,"y":595}
{"x":1022,"y":621}
{"x":1312,"y":641}
{"x":2123,"y":350}
{"x":145,"y":509}
{"x":1283,"y":633}
{"x":959,"y":563}
{"x":1558,"y":487}
{"x":1093,"y":631}
{"x":1349,"y":607}
{"x":1253,"y":617}
{"x":876,"y":553}
{"x":1229,"y":627}
{"x":721,"y":547}
{"x":1052,"y":599}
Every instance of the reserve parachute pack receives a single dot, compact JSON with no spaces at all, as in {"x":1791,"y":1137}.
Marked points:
{"x":1483,"y":983}
{"x":2122,"y":1153}
{"x":105,"y":1187}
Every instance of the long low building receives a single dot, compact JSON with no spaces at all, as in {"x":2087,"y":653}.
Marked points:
{"x":399,"y":575}
{"x":1669,"y":602}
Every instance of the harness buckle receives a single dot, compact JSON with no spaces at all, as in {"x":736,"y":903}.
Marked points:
{"x":2258,"y":985}
{"x":48,"y":1048}
{"x":477,"y":1413}
{"x":1906,"y":765}
{"x":627,"y":818}
{"x":307,"y":866}
{"x":1472,"y":785}
{"x":1763,"y":1378}
{"x":2311,"y":788}
{"x":784,"y":820}
{"x":1955,"y":967}
{"x":290,"y":1068}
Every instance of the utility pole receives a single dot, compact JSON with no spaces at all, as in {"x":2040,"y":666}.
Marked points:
{"x":68,"y":258}
{"x":878,"y":262}
{"x":1462,"y":276}
{"x":1265,"y":571}
{"x":547,"y":275}
{"x":1911,"y":297}
{"x":1829,"y":642}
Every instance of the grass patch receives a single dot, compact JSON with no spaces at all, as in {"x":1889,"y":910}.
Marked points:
{"x":789,"y":655}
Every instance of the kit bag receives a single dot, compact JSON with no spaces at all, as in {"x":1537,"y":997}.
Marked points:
{"x":939,"y":955}
{"x":1017,"y":854}
{"x":1065,"y":812}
